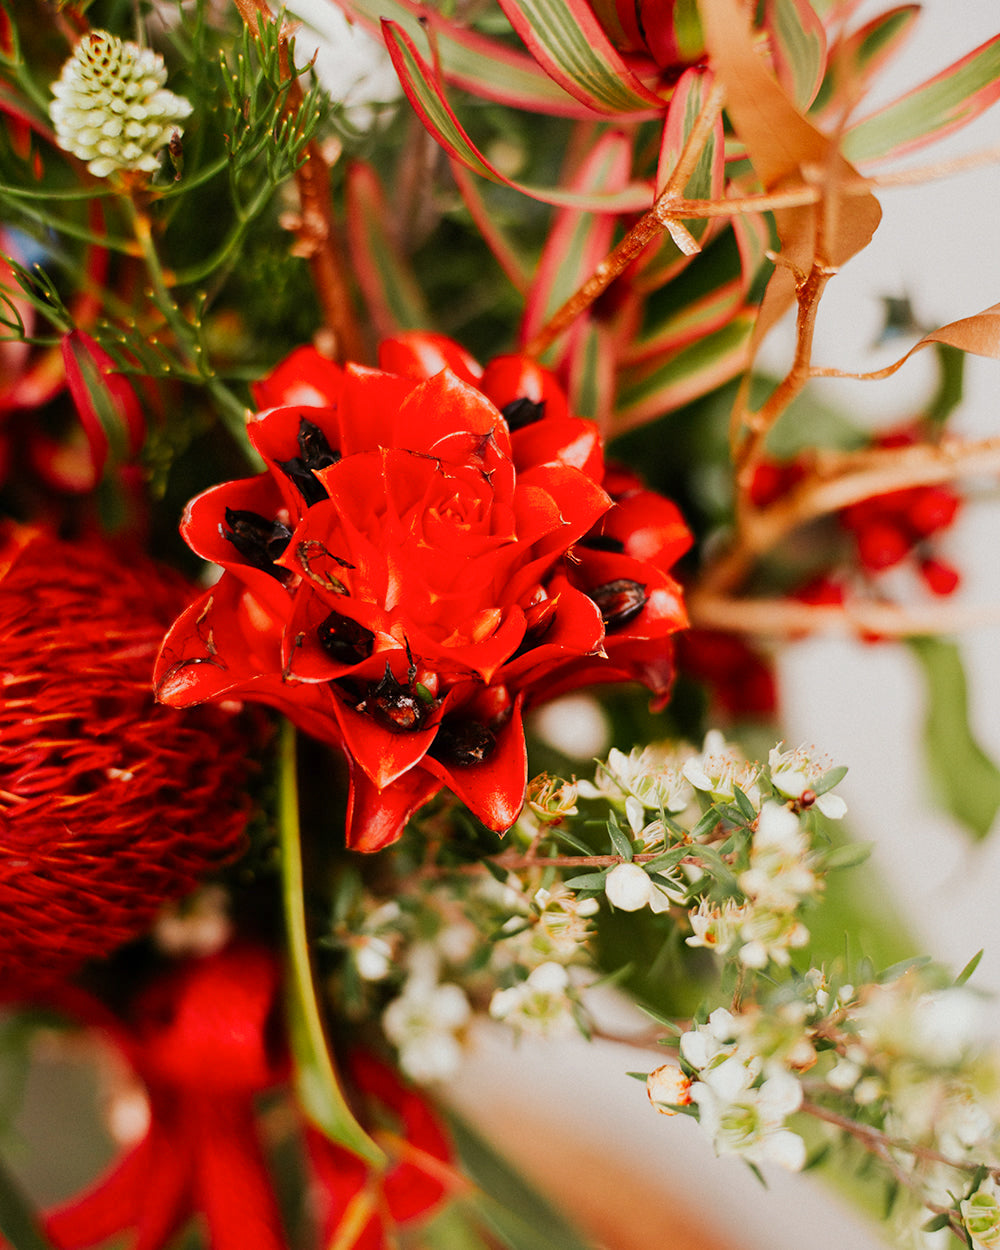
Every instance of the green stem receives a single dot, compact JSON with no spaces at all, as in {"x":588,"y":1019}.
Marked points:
{"x":319,"y":1092}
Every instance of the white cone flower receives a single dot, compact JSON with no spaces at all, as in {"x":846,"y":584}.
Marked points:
{"x":111,"y":108}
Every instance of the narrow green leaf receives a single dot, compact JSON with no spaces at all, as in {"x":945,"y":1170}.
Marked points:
{"x":747,"y":809}
{"x":895,"y":971}
{"x":18,"y":1223}
{"x":670,"y":859}
{"x":966,"y":780}
{"x":570,"y":839}
{"x":620,"y":841}
{"x":848,"y":856}
{"x":833,"y":777}
{"x":587,"y":881}
{"x":969,"y":968}
{"x":318,"y":1091}
{"x":936,"y":1223}
{"x":661,"y":385}
{"x":951,"y":383}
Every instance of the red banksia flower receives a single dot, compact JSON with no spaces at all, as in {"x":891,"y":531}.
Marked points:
{"x":109,"y":804}
{"x":200,"y":1037}
{"x":432,"y":550}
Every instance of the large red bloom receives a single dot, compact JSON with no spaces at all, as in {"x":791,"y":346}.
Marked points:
{"x":433,"y":549}
{"x":109,"y":804}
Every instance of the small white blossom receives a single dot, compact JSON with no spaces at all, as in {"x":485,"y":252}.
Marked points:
{"x":752,"y":1123}
{"x":779,"y":876}
{"x":651,"y":781}
{"x":541,"y":1004}
{"x":770,"y":935}
{"x":795,"y":772}
{"x":423,"y":1023}
{"x":719,"y":769}
{"x":715,"y":928}
{"x":111,"y":108}
{"x":628,"y":887}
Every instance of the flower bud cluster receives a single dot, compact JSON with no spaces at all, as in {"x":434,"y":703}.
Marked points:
{"x":111,"y":108}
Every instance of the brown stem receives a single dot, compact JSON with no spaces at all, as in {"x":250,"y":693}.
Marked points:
{"x":650,"y":226}
{"x":314,"y":227}
{"x":787,"y":618}
{"x":839,"y":480}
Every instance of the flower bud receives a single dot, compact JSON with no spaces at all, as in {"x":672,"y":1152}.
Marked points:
{"x":668,"y":1088}
{"x":628,"y":887}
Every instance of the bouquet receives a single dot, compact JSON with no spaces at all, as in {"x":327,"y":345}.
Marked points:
{"x":403,"y":508}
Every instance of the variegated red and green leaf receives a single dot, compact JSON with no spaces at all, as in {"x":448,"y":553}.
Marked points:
{"x":937,"y":107}
{"x":664,"y":259}
{"x":578,"y":241}
{"x":798,"y":47}
{"x":661,"y":385}
{"x":567,"y":40}
{"x":504,"y":250}
{"x":393,"y":296}
{"x":854,"y":61}
{"x":425,"y":93}
{"x":590,"y":371}
{"x":478,"y":64}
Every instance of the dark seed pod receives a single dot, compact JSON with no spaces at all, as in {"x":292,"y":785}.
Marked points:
{"x":395,"y":706}
{"x":463,"y":742}
{"x":521,"y":412}
{"x":259,"y":541}
{"x":315,"y":454}
{"x":344,"y":640}
{"x":620,"y":601}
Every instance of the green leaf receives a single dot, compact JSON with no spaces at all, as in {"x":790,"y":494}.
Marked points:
{"x":317,"y":1089}
{"x":747,"y":809}
{"x":620,"y":841}
{"x":966,"y":780}
{"x":18,"y":1222}
{"x":951,"y":383}
{"x":588,"y":881}
{"x":942,"y":104}
{"x":847,"y":856}
{"x":832,"y":777}
{"x":936,"y":1223}
{"x":969,"y":968}
{"x":514,"y":1212}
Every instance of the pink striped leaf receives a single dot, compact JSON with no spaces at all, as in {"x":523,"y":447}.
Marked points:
{"x":392,"y":294}
{"x":578,"y":241}
{"x":476,"y":63}
{"x":663,"y":384}
{"x":937,"y":107}
{"x":798,"y":47}
{"x":569,"y":43}
{"x":854,"y":62}
{"x":427,"y":97}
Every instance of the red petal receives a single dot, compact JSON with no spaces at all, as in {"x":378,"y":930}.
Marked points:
{"x":304,"y":378}
{"x":421,"y":354}
{"x":375,"y":818}
{"x":493,"y":790}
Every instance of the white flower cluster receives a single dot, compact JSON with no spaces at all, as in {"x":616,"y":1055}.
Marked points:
{"x":744,"y":1098}
{"x":111,"y":108}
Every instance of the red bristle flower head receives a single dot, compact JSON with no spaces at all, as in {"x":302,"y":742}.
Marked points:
{"x":110,"y":804}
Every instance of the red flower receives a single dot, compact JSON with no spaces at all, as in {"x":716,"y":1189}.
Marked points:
{"x":198,"y":1037}
{"x":361,"y":1209}
{"x":428,"y":554}
{"x":109,"y":805}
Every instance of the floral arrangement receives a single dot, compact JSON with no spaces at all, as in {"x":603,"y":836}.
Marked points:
{"x":399,"y":521}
